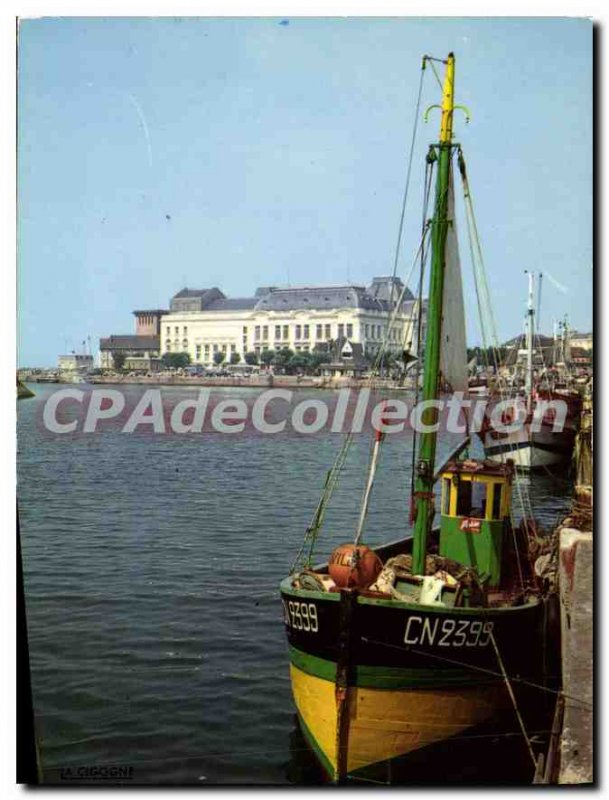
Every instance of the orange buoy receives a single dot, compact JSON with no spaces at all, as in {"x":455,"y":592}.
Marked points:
{"x":354,"y":567}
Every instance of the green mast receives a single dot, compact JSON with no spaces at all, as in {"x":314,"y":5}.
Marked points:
{"x":424,"y":483}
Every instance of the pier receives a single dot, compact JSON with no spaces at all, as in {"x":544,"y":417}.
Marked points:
{"x":576,"y":573}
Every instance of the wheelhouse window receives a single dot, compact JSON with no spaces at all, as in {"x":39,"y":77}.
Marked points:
{"x":497,"y":492}
{"x":446,"y":496}
{"x":471,"y":499}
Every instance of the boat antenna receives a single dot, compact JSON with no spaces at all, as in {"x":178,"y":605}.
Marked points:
{"x":528,"y":381}
{"x":538,"y":320}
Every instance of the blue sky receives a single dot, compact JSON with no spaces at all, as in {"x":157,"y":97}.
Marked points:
{"x":157,"y":153}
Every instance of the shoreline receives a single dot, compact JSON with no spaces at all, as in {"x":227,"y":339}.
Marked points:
{"x":258,"y":382}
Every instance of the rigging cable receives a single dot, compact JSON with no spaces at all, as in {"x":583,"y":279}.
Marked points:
{"x":481,"y":284}
{"x":333,"y":474}
{"x":488,"y":328}
{"x":408,"y":174}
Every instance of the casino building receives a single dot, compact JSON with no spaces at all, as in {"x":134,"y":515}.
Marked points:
{"x":203,"y":322}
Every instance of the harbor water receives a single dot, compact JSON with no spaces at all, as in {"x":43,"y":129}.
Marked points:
{"x":151,"y":567}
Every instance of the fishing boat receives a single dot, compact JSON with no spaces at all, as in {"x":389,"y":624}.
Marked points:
{"x":398,"y":647}
{"x":545,"y":426}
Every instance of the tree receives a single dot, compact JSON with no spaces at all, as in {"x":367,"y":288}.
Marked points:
{"x":319,"y":357}
{"x":267,"y":356}
{"x":298,"y":362}
{"x":487,"y":355}
{"x":118,"y":360}
{"x":251,"y":358}
{"x":219,"y":357}
{"x":282,"y":357}
{"x":235,"y":358}
{"x":176,"y":360}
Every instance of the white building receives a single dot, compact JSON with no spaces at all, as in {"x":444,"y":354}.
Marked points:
{"x":203,"y":322}
{"x":75,"y":362}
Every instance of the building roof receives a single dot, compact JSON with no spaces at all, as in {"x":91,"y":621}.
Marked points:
{"x":379,"y":296}
{"x":192,"y":292}
{"x":326,"y":297}
{"x":335,"y":349}
{"x":158,"y":311}
{"x":543,"y":346}
{"x":130,"y":342}
{"x":232,"y":304}
{"x":194,"y":299}
{"x":539,"y":340}
{"x":389,"y":288}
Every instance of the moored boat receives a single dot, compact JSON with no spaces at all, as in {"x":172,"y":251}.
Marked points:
{"x":543,"y":434}
{"x":397,"y":647}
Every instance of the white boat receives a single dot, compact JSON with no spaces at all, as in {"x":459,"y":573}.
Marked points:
{"x":534,"y":444}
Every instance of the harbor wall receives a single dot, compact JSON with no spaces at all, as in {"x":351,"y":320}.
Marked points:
{"x":576,"y":581}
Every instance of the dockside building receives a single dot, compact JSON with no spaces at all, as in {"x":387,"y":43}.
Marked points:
{"x":204,"y":322}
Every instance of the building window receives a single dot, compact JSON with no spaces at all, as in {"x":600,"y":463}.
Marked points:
{"x":245,"y":330}
{"x":286,"y":331}
{"x":168,"y":347}
{"x":198,"y":352}
{"x":265,"y":332}
{"x":378,"y":332}
{"x":277,"y":331}
{"x":257,"y":333}
{"x":341,"y":331}
{"x":185,"y":331}
{"x":328,"y":332}
{"x":349,"y":330}
{"x":177,"y":330}
{"x":305,"y":334}
{"x":206,"y":351}
{"x":233,"y":348}
{"x":367,"y":331}
{"x":298,"y":332}
{"x":224,"y":348}
{"x":318,"y":332}
{"x":168,"y":331}
{"x":185,"y":343}
{"x":215,"y":347}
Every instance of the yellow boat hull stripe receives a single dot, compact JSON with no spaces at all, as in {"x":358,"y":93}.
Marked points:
{"x":386,"y":723}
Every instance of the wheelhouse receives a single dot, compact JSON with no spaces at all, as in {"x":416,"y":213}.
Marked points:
{"x":475,"y":507}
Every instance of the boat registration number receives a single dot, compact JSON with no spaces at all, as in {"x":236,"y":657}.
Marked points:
{"x":301,"y":616}
{"x":448,"y":632}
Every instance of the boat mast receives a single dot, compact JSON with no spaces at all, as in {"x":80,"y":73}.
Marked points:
{"x":424,"y":482}
{"x":528,"y":379}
